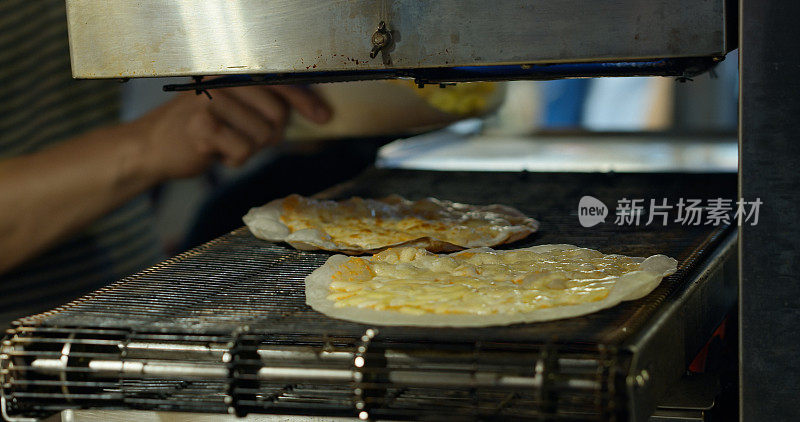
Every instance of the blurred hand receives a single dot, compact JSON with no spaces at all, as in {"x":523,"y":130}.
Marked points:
{"x":183,"y":137}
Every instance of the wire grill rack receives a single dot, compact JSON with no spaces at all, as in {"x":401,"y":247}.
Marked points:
{"x":224,"y":327}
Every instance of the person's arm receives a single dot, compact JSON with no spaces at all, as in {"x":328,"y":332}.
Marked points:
{"x":50,"y":194}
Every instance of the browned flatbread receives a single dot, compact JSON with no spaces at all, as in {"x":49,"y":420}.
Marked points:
{"x":357,"y":226}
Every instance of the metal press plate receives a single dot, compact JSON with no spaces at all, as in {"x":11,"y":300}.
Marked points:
{"x":120,"y":38}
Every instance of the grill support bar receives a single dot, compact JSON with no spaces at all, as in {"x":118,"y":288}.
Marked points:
{"x":146,"y":370}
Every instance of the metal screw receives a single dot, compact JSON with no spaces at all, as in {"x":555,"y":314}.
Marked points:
{"x":381,"y":38}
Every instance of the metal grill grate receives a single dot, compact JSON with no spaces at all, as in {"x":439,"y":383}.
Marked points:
{"x":182,"y":318}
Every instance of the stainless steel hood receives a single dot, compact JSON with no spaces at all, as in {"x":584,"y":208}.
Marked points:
{"x":147,"y":38}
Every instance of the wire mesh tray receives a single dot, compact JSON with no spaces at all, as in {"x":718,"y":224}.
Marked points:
{"x":225,"y":328}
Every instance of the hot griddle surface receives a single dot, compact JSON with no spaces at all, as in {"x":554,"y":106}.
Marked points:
{"x":239,"y":280}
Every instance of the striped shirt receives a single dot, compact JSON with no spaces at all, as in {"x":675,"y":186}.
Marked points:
{"x":41,"y":104}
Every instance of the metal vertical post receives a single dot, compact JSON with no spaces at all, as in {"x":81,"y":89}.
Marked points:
{"x":769,"y":169}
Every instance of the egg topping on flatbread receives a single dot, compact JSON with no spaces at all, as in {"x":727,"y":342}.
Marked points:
{"x":480,"y":287}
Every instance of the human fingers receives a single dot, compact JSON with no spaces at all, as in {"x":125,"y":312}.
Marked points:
{"x":266,"y":102}
{"x":232,"y":146}
{"x":240,"y":116}
{"x":308,"y":103}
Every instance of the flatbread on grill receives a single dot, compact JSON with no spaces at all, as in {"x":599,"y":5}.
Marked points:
{"x":357,"y":226}
{"x":480,"y":287}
